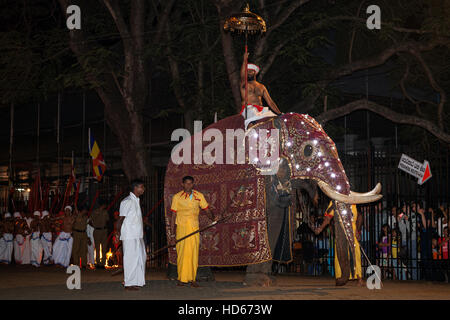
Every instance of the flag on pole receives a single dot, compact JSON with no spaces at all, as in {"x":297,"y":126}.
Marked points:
{"x":73,"y":175}
{"x":98,"y":164}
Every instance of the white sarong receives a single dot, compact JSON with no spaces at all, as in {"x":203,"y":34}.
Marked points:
{"x":18,"y":248}
{"x":62,"y":249}
{"x":46,"y":243}
{"x":36,"y":249}
{"x":91,"y":248}
{"x":26,"y":253}
{"x":253,"y":114}
{"x":134,"y":261}
{"x":6,"y":248}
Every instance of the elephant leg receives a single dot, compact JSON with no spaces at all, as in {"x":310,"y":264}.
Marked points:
{"x":172,"y":272}
{"x":342,"y":254}
{"x":205,"y":274}
{"x":259,"y":275}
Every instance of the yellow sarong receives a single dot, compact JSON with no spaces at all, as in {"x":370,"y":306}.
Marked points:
{"x":337,"y":268}
{"x":187,"y":211}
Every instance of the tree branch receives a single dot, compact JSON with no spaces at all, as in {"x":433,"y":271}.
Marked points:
{"x":354,"y":34}
{"x":379,"y":59}
{"x":261,"y":44}
{"x":162,"y":21}
{"x":434,"y":84}
{"x":387,"y":113}
{"x":114,"y":10}
{"x":405,"y":93}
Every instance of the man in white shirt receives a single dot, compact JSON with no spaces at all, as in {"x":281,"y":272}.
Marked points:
{"x":131,"y":232}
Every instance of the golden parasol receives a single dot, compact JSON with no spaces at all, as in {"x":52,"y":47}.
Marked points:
{"x":247,"y":22}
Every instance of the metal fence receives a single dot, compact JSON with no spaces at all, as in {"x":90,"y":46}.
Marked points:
{"x":414,"y":246}
{"x":420,"y":250}
{"x":152,"y":207}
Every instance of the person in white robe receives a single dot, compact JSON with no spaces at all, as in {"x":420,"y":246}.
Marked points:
{"x":131,"y":234}
{"x":19,"y":240}
{"x":91,"y":248}
{"x":36,"y":245}
{"x":62,"y":248}
{"x":26,"y":253}
{"x":6,"y":242}
{"x":46,"y":238}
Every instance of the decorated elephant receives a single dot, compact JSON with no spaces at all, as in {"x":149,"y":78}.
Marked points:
{"x":257,"y":205}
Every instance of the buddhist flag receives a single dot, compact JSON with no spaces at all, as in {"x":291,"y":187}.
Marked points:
{"x":98,"y":165}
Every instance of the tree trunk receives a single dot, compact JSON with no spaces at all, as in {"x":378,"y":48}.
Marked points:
{"x":123,"y":102}
{"x":233,"y":69}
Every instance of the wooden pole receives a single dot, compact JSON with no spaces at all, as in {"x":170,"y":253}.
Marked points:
{"x":246,"y":72}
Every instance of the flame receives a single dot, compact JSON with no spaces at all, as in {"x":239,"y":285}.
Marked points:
{"x":109,"y":255}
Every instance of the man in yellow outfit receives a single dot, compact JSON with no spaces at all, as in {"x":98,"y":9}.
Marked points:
{"x":186,"y":206}
{"x":356,"y":226}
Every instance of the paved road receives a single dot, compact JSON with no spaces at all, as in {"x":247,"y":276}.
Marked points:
{"x":26,"y":282}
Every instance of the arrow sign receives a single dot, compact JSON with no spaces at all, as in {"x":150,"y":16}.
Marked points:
{"x":419,"y":170}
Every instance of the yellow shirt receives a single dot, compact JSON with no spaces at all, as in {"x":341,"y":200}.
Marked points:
{"x":187,"y":209}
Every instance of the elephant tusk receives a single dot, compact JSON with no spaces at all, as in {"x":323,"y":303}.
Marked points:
{"x":375,"y":191}
{"x":350,"y":199}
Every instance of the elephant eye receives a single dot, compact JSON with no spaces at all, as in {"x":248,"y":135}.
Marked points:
{"x":308,"y":150}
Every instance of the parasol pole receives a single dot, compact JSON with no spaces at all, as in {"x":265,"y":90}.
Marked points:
{"x":246,"y":22}
{"x":246,"y":72}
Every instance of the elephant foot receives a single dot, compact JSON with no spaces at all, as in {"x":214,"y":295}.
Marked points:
{"x":259,"y":280}
{"x":172,"y":272}
{"x":341,"y":282}
{"x":204,"y":274}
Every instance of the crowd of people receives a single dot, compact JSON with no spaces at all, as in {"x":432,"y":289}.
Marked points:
{"x":412,"y":242}
{"x":73,"y":236}
{"x":407,"y":242}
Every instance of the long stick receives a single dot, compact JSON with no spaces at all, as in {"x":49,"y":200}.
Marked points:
{"x":154,"y":254}
{"x":75,"y":201}
{"x":246,"y":72}
{"x":181,"y":239}
{"x":154,"y":207}
{"x":93,"y":203}
{"x":114,"y":200}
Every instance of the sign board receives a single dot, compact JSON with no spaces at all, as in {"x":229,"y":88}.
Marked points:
{"x":419,"y":170}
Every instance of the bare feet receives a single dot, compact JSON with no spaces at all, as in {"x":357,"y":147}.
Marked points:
{"x":340,"y":282}
{"x":132,"y":288}
{"x":361,"y":282}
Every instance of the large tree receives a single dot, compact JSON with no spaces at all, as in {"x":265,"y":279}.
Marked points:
{"x":413,"y":36}
{"x":122,"y":82}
